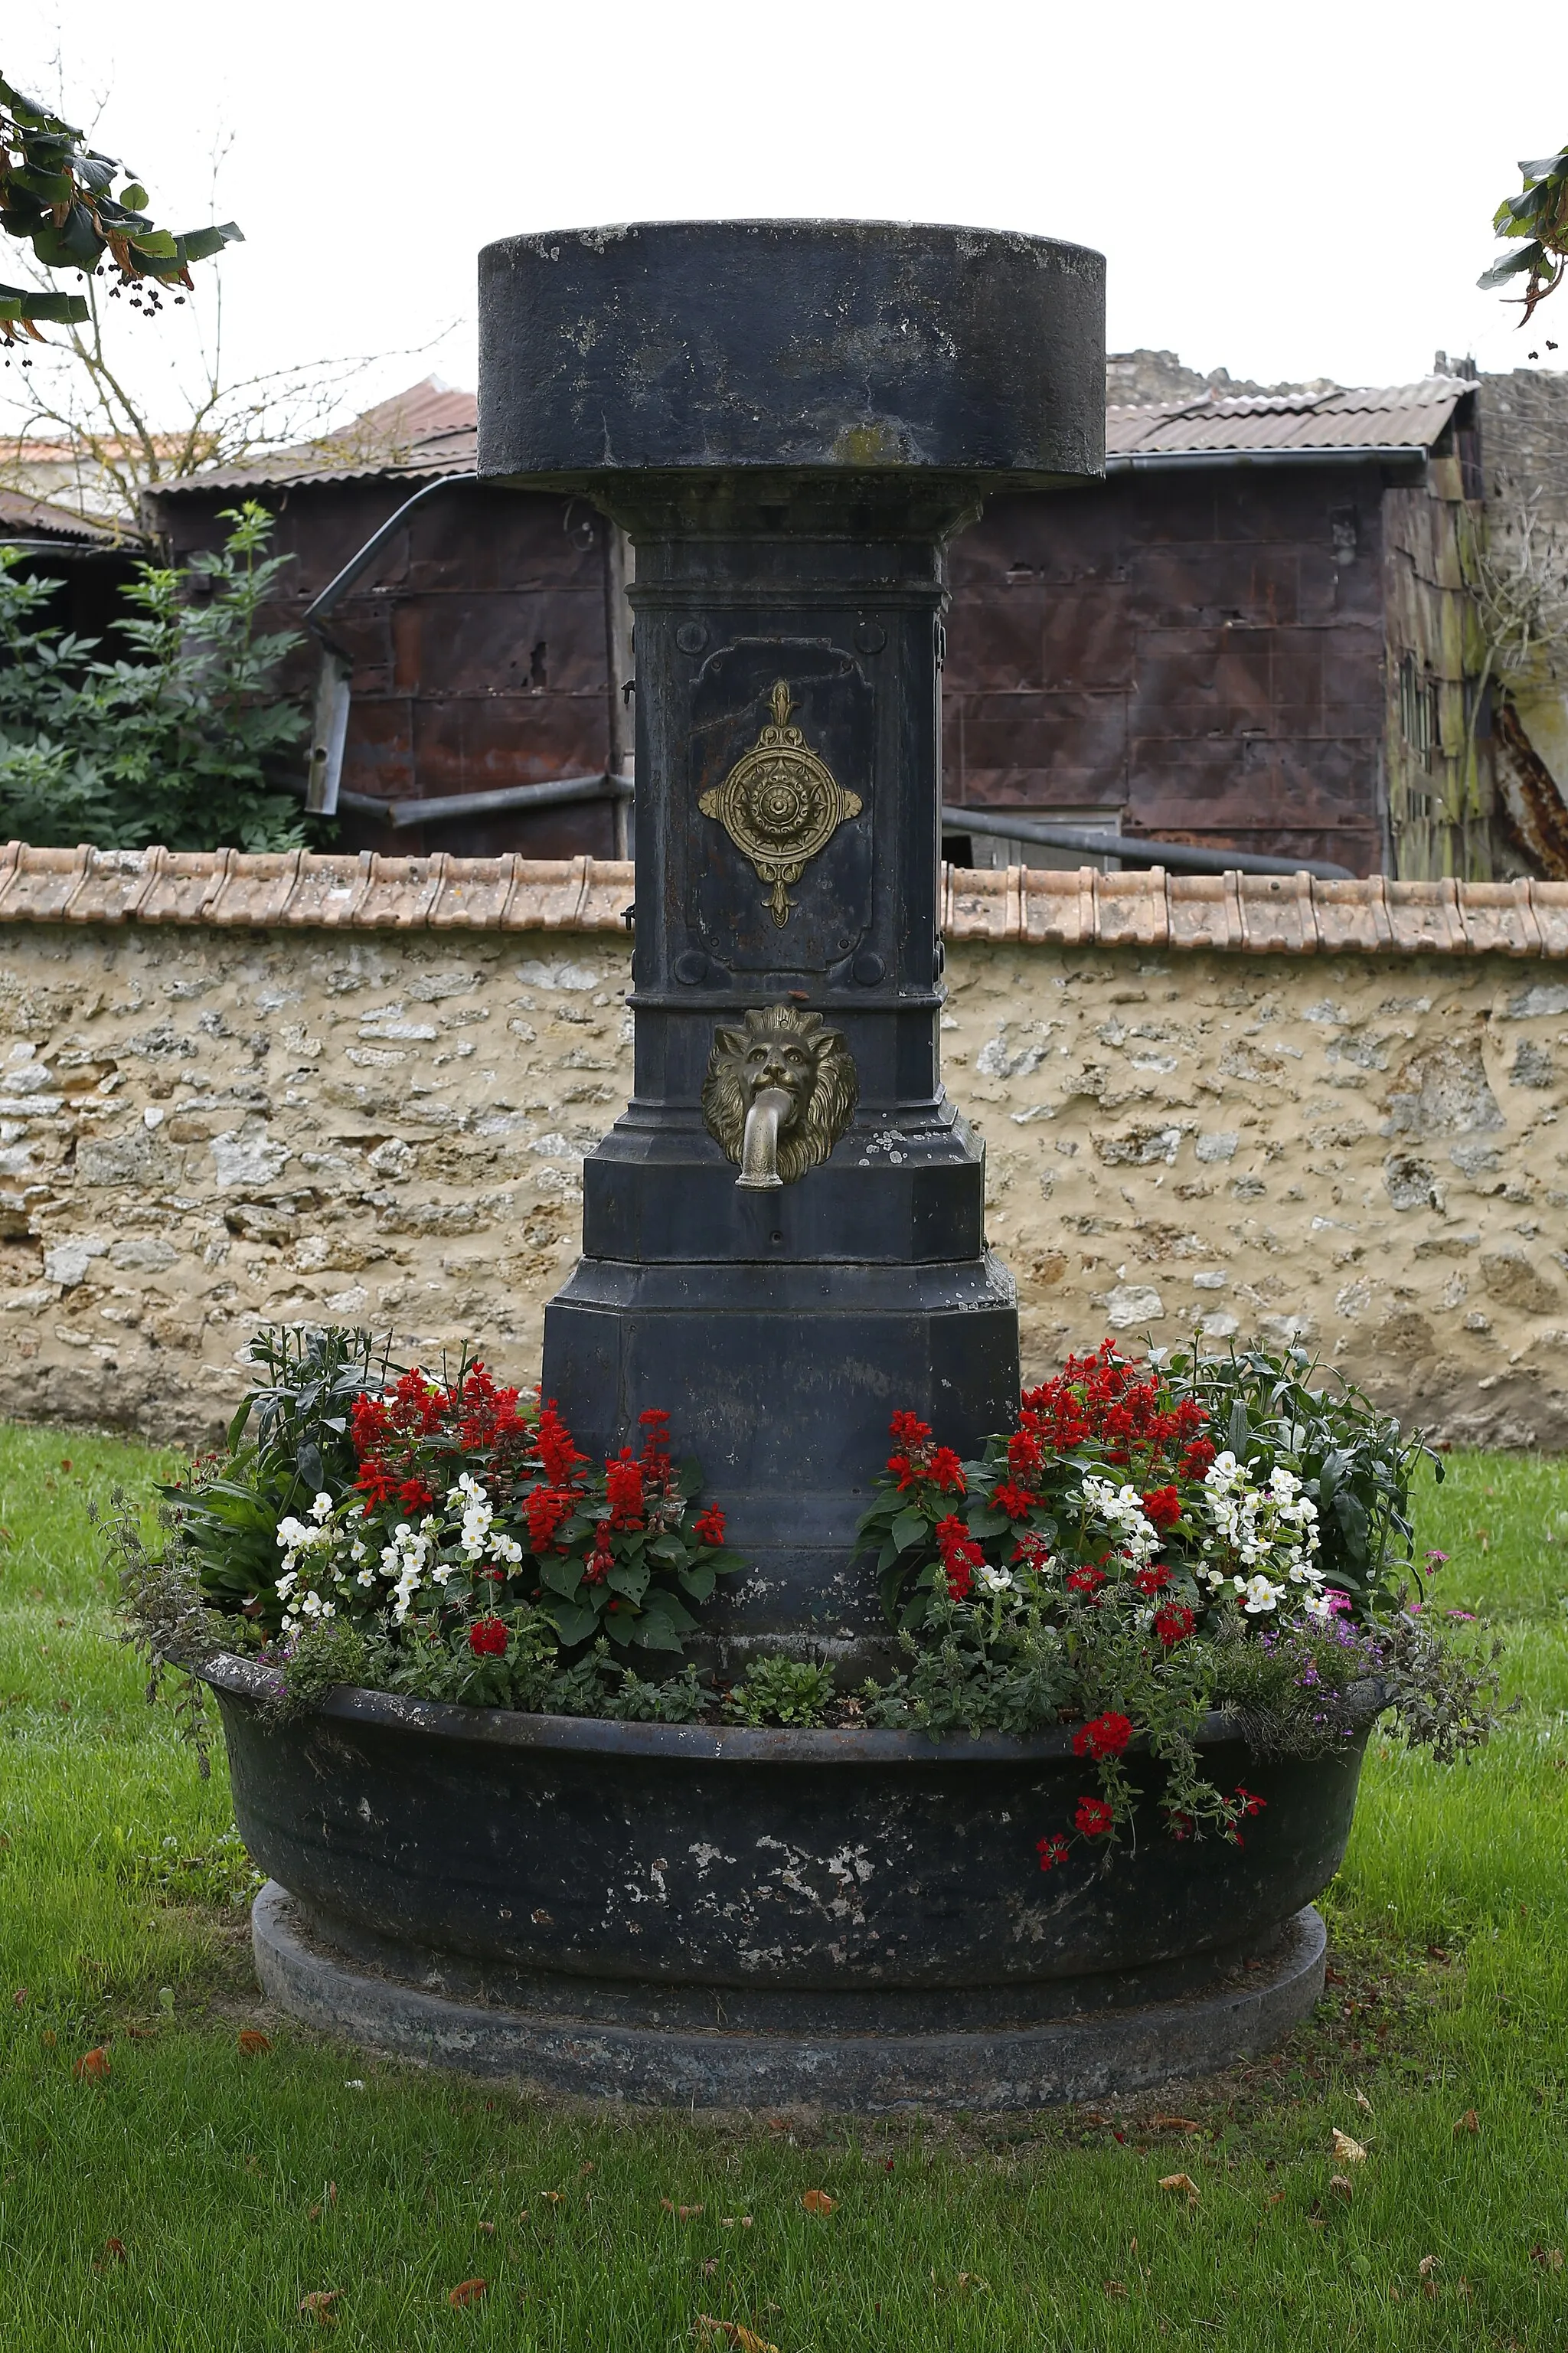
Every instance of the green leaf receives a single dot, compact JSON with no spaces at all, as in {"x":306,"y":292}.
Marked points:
{"x":653,"y":1631}
{"x":135,"y":196}
{"x":698,"y":1581}
{"x":630,"y":1578}
{"x":572,"y":1625}
{"x":668,"y":1548}
{"x":558,"y":1576}
{"x":910,"y":1528}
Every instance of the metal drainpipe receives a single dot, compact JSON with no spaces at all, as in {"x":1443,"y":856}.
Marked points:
{"x":334,"y":686}
{"x":1182,"y":856}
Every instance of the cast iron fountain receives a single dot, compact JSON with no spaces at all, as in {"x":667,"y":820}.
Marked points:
{"x":782,"y":1240}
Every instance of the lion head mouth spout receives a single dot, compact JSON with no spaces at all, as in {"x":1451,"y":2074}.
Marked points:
{"x":773,"y":1107}
{"x":778,"y":1095}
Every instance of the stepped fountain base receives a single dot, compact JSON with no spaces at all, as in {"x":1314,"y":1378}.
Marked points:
{"x":596,"y":2041}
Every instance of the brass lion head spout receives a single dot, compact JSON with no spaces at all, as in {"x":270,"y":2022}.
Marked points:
{"x":780,"y":1091}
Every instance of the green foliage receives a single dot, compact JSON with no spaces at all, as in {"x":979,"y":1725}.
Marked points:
{"x":56,"y":194}
{"x":1155,"y":1541}
{"x":1538,"y":216}
{"x":174,"y":744}
{"x":442,"y":1538}
{"x":1353,"y":1459}
{"x":782,"y":1691}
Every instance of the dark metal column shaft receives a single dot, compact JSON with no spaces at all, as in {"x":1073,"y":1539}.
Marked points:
{"x":710,"y":384}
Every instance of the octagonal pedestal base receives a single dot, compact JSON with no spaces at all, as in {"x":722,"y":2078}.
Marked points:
{"x":567,"y":2039}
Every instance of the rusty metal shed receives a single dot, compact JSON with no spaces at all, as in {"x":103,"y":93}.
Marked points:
{"x":1255,"y":635}
{"x":478,"y":637}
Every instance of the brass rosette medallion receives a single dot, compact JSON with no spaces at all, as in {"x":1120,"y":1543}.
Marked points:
{"x":780,"y":805}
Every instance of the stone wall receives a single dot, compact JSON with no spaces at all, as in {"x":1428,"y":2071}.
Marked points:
{"x":237,"y":1089}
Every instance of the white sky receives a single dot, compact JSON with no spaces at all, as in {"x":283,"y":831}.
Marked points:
{"x":1229,"y":159}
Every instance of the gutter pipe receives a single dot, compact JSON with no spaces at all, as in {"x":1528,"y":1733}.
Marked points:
{"x":1183,"y":462}
{"x":1181,"y":856}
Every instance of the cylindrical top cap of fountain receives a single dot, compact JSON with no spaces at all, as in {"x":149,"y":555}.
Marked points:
{"x":847,"y":347}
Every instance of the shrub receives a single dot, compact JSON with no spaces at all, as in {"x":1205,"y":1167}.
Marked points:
{"x":175,"y":743}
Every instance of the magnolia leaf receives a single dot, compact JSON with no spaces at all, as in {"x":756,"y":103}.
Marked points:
{"x":817,"y":2201}
{"x":467,"y":2292}
{"x":1348,"y":2151}
{"x":252,"y":2042}
{"x":1181,"y":2182}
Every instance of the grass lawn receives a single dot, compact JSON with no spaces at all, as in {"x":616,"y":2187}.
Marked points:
{"x":195,"y":2197}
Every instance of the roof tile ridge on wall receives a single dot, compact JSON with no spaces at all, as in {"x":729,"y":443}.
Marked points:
{"x":1256,"y":914}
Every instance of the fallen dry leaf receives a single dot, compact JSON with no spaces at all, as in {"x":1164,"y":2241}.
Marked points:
{"x":1183,"y":2181}
{"x":817,"y":2201}
{"x":1468,"y":2122}
{"x":681,"y":2213}
{"x":1275,"y":2198}
{"x":489,"y":2228}
{"x":731,"y":2332}
{"x":320,"y":2302}
{"x":1427,"y":2266}
{"x":1177,"y":2123}
{"x":1549,"y":2258}
{"x":19,"y":1998}
{"x":92,"y":2066}
{"x":113,"y":2253}
{"x":1363,"y":2102}
{"x":467,"y":2292}
{"x":1114,"y":2287}
{"x":1348,"y":2151}
{"x":142,"y":2033}
{"x":252,"y":2042}
{"x":585,"y":2170}
{"x":558,"y":2197}
{"x":710,"y":2266}
{"x":1341,"y":2183}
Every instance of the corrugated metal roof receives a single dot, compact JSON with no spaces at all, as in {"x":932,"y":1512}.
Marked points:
{"x":431,"y":430}
{"x":423,"y":433}
{"x":1409,"y":416}
{"x":24,"y":518}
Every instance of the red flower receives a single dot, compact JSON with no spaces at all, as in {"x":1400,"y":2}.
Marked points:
{"x":947,"y":1472}
{"x":909,"y":1430}
{"x":1250,"y":1805}
{"x":907,"y":1469}
{"x":961,"y":1555}
{"x":1173,"y":1623}
{"x":709,"y":1527}
{"x":1086,"y":1579}
{"x":624,"y":1491}
{"x":1153,"y":1579}
{"x":1180,"y":1826}
{"x":1197,"y":1458}
{"x":1034,"y":1552}
{"x":376,"y":1483}
{"x":1024,"y":1454}
{"x":1093,"y":1817}
{"x":414,"y":1494}
{"x":1052,"y":1851}
{"x":1016,"y":1501}
{"x":544,"y":1509}
{"x":1164,"y":1507}
{"x":486,"y":1639}
{"x":558,"y":1457}
{"x":1107,"y":1736}
{"x":599,"y":1566}
{"x":655,"y":1424}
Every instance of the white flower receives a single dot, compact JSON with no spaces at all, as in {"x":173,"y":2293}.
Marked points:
{"x":993,"y":1581}
{"x":322,"y":1509}
{"x":1317,"y":1608}
{"x":1259,"y":1595}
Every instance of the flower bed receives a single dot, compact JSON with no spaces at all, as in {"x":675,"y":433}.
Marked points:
{"x":1152,"y":1544}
